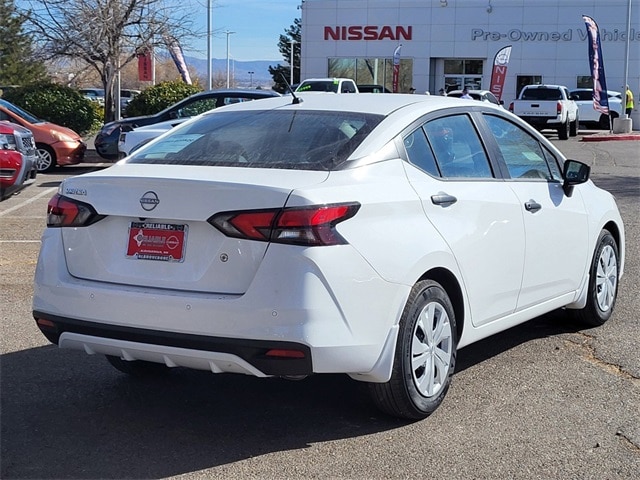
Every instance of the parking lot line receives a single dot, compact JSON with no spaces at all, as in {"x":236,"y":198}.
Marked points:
{"x":48,"y":191}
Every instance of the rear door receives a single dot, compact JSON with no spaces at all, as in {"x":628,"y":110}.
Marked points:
{"x":478,"y":215}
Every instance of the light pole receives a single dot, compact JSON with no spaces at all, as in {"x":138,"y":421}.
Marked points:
{"x":228,"y":33}
{"x":209,"y":67}
{"x":251,"y":79}
{"x":291,"y":63}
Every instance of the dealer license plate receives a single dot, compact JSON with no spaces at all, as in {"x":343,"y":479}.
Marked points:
{"x":163,"y":242}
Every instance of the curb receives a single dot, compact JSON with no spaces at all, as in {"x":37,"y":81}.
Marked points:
{"x":612,"y":137}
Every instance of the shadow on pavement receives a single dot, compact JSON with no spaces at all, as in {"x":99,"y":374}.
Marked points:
{"x":69,"y":415}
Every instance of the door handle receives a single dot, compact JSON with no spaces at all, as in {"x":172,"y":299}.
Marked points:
{"x":443,"y":199}
{"x":532,"y":206}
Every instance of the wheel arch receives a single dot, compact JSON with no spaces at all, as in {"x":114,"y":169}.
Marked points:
{"x":614,"y":230}
{"x":453,"y":288}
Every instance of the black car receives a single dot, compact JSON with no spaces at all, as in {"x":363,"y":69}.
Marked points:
{"x":373,"y":89}
{"x":106,"y":141}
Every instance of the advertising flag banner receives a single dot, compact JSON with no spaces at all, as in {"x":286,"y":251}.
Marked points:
{"x":175,"y":50}
{"x":596,"y":62}
{"x":396,"y":68}
{"x":144,"y":66}
{"x":499,"y":72}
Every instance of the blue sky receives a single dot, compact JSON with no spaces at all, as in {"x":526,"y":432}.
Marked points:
{"x":258,"y":25}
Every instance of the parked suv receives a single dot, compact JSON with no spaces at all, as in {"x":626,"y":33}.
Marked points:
{"x":106,"y":141}
{"x":17,"y":159}
{"x":55,"y":145}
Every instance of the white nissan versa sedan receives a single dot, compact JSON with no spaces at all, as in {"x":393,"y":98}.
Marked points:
{"x":327,"y":234}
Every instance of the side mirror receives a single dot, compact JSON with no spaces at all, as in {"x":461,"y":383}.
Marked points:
{"x":574,"y":173}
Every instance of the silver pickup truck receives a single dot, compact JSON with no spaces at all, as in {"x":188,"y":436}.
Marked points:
{"x":548,"y":106}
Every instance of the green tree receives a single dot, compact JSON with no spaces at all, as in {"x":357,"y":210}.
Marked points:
{"x":160,"y":96}
{"x":57,"y":104}
{"x":285,"y":46}
{"x":17,"y":63}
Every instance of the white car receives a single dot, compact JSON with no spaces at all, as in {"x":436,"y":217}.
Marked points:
{"x":592,"y":117}
{"x":327,"y":234}
{"x":481,"y":95}
{"x":331,"y":85}
{"x":134,"y":139}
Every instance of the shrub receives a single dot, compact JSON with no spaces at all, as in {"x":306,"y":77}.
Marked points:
{"x":160,"y":96}
{"x":57,"y":104}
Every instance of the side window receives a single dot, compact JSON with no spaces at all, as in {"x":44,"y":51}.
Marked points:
{"x":197,"y":107}
{"x":348,"y":87}
{"x":522,"y":153}
{"x":232,"y":100}
{"x":420,"y":153}
{"x":457,"y":147}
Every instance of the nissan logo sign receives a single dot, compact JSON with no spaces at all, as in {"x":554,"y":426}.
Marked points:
{"x":149,"y":201}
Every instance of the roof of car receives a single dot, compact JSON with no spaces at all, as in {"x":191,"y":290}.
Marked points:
{"x":479,"y":92}
{"x":609,"y":92}
{"x":384,"y":105}
{"x":326,"y":79}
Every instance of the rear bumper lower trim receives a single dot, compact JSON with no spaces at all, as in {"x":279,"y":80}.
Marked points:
{"x":252,"y":352}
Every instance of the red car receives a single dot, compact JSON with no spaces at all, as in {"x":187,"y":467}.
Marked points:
{"x":18,"y":161}
{"x":55,"y":145}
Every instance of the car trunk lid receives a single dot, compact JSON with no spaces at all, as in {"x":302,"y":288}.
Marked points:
{"x":155,"y":231}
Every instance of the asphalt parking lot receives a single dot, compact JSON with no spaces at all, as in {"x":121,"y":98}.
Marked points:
{"x":545,"y":400}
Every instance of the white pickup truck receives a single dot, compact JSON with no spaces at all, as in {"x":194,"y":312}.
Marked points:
{"x":548,"y":106}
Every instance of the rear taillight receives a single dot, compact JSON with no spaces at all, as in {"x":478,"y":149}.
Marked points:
{"x":67,"y":212}
{"x":558,"y":108}
{"x":311,"y":226}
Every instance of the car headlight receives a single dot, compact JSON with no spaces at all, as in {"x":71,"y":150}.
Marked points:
{"x":62,"y":137}
{"x":8,"y":141}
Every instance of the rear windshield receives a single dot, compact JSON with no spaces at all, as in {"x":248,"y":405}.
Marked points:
{"x":319,"y":86}
{"x":303,"y":140}
{"x":542,"y":94}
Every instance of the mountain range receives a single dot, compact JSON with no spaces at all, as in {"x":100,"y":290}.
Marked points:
{"x":238,"y":70}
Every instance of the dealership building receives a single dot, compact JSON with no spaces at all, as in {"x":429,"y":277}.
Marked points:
{"x":450,"y":44}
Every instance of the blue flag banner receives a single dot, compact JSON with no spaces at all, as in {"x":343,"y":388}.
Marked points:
{"x":596,"y":62}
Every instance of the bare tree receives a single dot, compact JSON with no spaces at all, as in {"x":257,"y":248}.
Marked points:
{"x":106,"y":35}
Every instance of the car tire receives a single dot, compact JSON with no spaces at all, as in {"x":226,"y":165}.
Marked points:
{"x":563,"y":131}
{"x":573,"y":128}
{"x":604,"y":124}
{"x":425,"y":355}
{"x":46,"y":158}
{"x":603,"y":283}
{"x":137,"y":368}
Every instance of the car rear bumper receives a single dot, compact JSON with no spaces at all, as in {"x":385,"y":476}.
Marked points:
{"x":341,"y":324}
{"x":541,"y":122}
{"x":251,"y":357}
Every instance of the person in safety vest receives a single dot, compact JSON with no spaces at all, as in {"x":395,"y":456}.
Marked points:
{"x":629,"y":101}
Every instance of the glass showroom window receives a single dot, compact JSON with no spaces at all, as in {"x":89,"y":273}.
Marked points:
{"x":460,"y":73}
{"x":378,"y":71}
{"x":584,"y":81}
{"x":524,"y":80}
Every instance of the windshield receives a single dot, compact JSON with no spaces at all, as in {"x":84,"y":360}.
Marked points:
{"x":308,"y":140}
{"x":20,"y":112}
